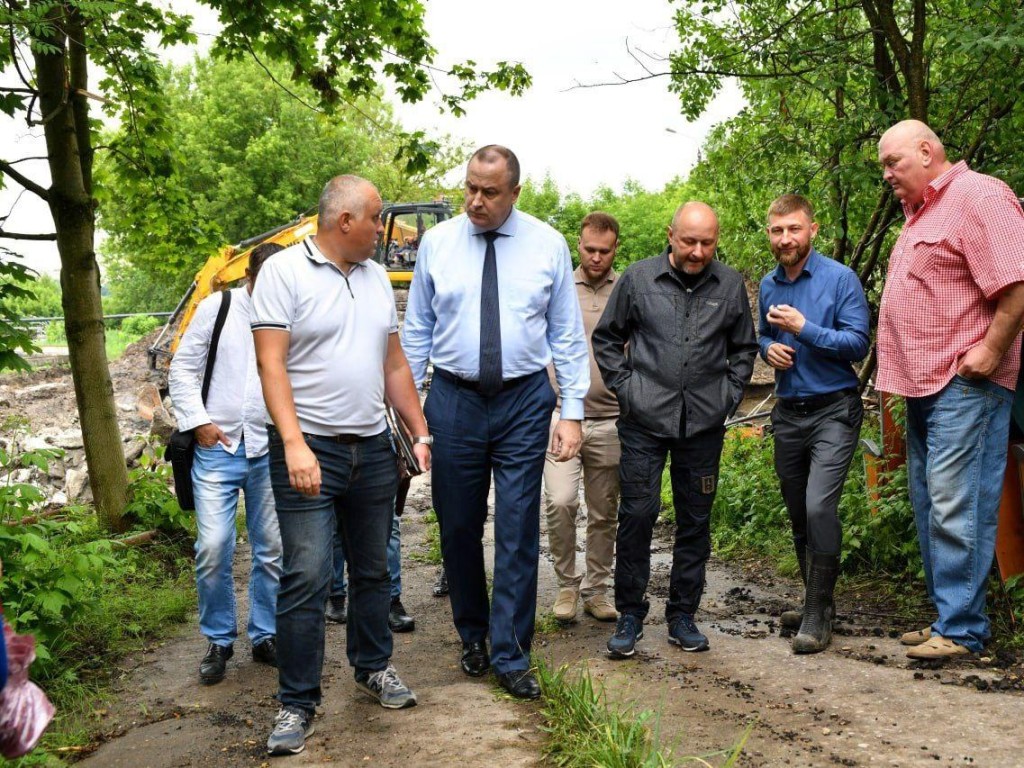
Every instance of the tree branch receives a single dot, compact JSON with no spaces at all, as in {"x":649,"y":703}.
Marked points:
{"x":25,"y":181}
{"x":4,"y":234}
{"x":681,"y":73}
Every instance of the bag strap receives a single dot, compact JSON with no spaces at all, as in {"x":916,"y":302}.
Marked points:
{"x":218,"y":326}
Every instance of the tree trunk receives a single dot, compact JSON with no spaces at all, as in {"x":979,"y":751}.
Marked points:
{"x":59,"y":73}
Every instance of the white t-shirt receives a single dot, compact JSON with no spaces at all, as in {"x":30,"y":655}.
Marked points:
{"x":339,"y":328}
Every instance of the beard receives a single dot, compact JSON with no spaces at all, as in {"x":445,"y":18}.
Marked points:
{"x":793,"y":257}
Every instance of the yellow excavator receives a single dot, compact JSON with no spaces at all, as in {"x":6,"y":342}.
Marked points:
{"x":404,"y":225}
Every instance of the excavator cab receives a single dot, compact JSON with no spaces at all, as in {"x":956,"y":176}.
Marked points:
{"x":404,"y":226}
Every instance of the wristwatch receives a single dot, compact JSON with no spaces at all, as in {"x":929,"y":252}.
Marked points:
{"x":423,"y":440}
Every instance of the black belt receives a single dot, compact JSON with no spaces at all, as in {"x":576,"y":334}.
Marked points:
{"x":339,"y":438}
{"x":343,"y":438}
{"x":806,"y":405}
{"x":474,"y":385}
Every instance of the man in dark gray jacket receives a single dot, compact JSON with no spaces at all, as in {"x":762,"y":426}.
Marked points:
{"x":676,"y":345}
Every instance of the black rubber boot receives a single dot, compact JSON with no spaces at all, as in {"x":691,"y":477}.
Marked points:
{"x":794,"y":618}
{"x":816,"y":629}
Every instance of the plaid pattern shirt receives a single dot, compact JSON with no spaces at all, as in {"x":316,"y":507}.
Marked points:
{"x":958,"y":250}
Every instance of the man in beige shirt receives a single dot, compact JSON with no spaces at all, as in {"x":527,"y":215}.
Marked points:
{"x":598,"y":459}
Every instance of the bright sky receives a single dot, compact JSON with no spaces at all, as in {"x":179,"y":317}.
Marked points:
{"x":583,"y":137}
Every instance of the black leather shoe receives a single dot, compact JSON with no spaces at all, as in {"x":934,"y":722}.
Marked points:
{"x":336,"y":609}
{"x":214,"y":663}
{"x":441,"y":585}
{"x":521,"y":683}
{"x":474,"y":659}
{"x":398,"y":618}
{"x":265,"y":652}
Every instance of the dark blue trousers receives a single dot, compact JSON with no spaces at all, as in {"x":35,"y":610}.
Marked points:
{"x":474,"y":436}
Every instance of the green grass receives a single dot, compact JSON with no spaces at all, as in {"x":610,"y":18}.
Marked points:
{"x":431,"y":551}
{"x":547,"y":624}
{"x":148,"y":594}
{"x":585,"y":730}
{"x":117,"y":339}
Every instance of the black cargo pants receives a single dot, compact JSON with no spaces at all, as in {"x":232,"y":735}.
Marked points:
{"x":694,"y":474}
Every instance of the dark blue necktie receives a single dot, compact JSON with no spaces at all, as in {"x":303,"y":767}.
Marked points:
{"x":490,"y":323}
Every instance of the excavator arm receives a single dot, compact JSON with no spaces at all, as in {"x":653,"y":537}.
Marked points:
{"x":404,"y":225}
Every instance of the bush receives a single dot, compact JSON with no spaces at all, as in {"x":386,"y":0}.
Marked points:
{"x":51,"y":566}
{"x":139,"y":325}
{"x":55,"y":333}
{"x":749,"y":514}
{"x":151,"y":502}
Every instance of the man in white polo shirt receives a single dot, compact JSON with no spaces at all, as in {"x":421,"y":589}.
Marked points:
{"x":326,"y":333}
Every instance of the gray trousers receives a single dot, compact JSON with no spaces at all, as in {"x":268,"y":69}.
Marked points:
{"x":812,"y":457}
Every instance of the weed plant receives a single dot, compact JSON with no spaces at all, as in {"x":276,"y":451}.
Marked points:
{"x":87,"y":599}
{"x":584,"y":730}
{"x":432,"y":541}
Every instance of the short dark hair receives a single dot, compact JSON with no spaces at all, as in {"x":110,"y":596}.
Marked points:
{"x":492,"y":152}
{"x":599,"y":221}
{"x":783,"y":205}
{"x":260,"y":254}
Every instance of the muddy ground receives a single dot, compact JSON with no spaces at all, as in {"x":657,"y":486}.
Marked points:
{"x":861,"y":703}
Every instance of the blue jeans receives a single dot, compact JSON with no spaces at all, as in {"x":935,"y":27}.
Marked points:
{"x":357,"y":498}
{"x":217,"y":477}
{"x":338,"y":585}
{"x":956,"y":459}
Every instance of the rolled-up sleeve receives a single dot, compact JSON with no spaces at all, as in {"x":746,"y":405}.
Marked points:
{"x":185,"y":377}
{"x":567,"y":339}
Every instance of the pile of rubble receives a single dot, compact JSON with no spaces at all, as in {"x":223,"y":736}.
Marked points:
{"x":38,"y":411}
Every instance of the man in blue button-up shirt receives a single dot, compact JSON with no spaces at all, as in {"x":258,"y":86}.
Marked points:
{"x":813,"y":327}
{"x":490,"y":402}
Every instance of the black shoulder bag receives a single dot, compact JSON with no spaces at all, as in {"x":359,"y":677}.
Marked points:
{"x":181,"y":446}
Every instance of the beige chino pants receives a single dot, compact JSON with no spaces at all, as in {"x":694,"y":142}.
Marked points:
{"x":598,"y":464}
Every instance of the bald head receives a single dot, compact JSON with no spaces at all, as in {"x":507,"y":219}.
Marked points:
{"x":344,"y":193}
{"x":910,"y":130}
{"x":912,"y":156}
{"x":693,"y":237}
{"x":696,"y":212}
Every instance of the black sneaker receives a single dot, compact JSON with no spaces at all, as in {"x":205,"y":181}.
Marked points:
{"x":265,"y":652}
{"x":441,"y":585}
{"x":628,"y":630}
{"x":214,"y":663}
{"x":398,"y":618}
{"x":684,"y":633}
{"x":336,"y":609}
{"x":387,"y":688}
{"x":291,"y":728}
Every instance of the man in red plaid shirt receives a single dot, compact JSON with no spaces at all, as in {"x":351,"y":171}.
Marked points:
{"x":949,"y":342}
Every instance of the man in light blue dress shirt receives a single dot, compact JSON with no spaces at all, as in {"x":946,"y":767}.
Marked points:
{"x":492,"y":303}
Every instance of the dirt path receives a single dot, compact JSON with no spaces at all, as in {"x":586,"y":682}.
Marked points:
{"x":859,"y":704}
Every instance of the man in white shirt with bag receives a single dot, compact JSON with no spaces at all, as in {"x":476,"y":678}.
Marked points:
{"x":230,"y":456}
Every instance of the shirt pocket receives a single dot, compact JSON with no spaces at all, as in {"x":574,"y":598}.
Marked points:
{"x":924,"y":256}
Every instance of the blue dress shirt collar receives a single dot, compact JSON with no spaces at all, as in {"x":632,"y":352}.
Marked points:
{"x":809,"y":267}
{"x":507,"y":229}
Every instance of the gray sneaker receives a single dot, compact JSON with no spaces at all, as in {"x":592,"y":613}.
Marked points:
{"x":387,"y":688}
{"x":291,"y":727}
